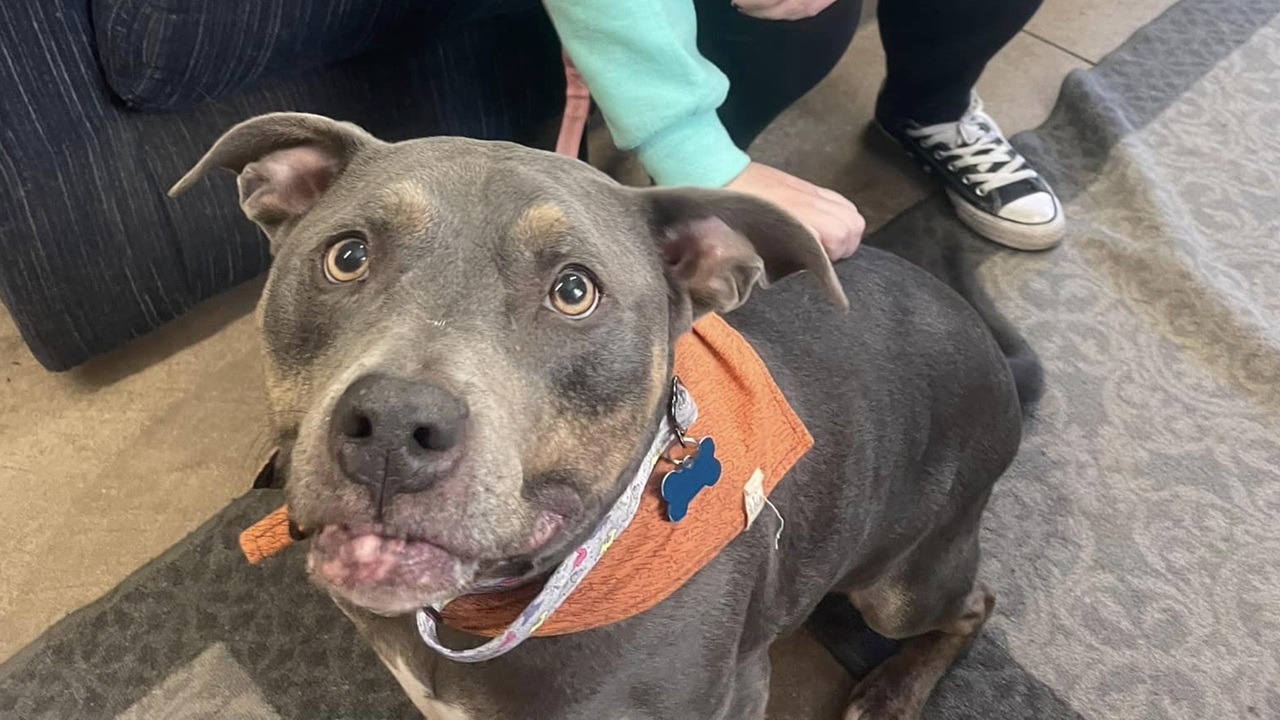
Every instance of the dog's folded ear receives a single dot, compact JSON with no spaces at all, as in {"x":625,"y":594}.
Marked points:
{"x":285,"y":162}
{"x":718,"y":245}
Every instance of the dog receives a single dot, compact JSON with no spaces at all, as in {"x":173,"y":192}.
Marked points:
{"x":468,"y":348}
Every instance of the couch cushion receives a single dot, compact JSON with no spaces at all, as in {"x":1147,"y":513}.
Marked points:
{"x":167,"y":54}
{"x":94,"y":253}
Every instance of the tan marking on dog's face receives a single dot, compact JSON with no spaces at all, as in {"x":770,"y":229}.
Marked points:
{"x":259,"y":318}
{"x":406,"y":206}
{"x":285,"y":387}
{"x":569,"y":442}
{"x":286,"y":393}
{"x":659,"y":372}
{"x":539,"y":224}
{"x":569,"y":445}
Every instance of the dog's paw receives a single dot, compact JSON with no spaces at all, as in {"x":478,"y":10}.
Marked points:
{"x":868,"y":703}
{"x":863,"y":713}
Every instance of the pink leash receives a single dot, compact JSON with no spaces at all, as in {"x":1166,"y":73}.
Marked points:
{"x":577,"y":106}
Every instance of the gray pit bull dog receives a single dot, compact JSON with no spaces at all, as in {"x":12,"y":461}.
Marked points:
{"x":469,"y":348}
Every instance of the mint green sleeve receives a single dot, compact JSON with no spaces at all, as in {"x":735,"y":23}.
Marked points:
{"x":658,"y":94}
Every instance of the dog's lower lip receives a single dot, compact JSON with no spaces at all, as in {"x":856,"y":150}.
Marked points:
{"x":391,"y":534}
{"x":367,"y":557}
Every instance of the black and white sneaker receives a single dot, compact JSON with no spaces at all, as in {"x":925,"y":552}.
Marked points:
{"x":993,"y":190}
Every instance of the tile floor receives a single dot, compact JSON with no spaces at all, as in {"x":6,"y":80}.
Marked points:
{"x":104,"y":467}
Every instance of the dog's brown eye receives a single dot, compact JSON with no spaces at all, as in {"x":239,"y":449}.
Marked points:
{"x":346,"y":261}
{"x":574,"y":294}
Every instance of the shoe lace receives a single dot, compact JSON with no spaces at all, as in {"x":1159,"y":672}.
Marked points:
{"x":975,"y":147}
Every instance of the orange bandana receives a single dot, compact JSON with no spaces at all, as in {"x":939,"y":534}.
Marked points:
{"x":757,"y":435}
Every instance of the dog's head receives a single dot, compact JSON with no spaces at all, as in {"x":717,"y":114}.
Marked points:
{"x":469,"y":343}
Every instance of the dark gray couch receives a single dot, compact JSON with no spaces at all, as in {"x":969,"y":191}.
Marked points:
{"x":104,"y":103}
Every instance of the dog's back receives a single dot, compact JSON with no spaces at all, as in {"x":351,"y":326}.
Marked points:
{"x":914,"y":414}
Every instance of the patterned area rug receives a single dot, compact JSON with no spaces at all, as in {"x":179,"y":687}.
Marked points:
{"x":1134,"y":545}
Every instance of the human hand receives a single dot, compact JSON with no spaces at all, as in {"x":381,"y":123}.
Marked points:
{"x":782,"y":9}
{"x":831,"y":218}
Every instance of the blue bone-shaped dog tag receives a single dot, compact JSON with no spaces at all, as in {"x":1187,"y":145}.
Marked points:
{"x":682,"y":485}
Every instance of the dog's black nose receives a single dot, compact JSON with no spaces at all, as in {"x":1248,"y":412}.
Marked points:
{"x":397,"y":435}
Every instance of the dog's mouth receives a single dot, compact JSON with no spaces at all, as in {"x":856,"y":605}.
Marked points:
{"x":385,"y":572}
{"x":392,"y":573}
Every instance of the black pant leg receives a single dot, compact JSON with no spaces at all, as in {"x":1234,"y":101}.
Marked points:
{"x":770,"y":64}
{"x":936,"y":49}
{"x":499,"y":74}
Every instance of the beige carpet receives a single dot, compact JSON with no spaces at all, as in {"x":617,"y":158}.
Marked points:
{"x":105,"y":467}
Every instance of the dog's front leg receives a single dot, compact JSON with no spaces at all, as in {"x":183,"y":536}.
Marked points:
{"x":899,"y":688}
